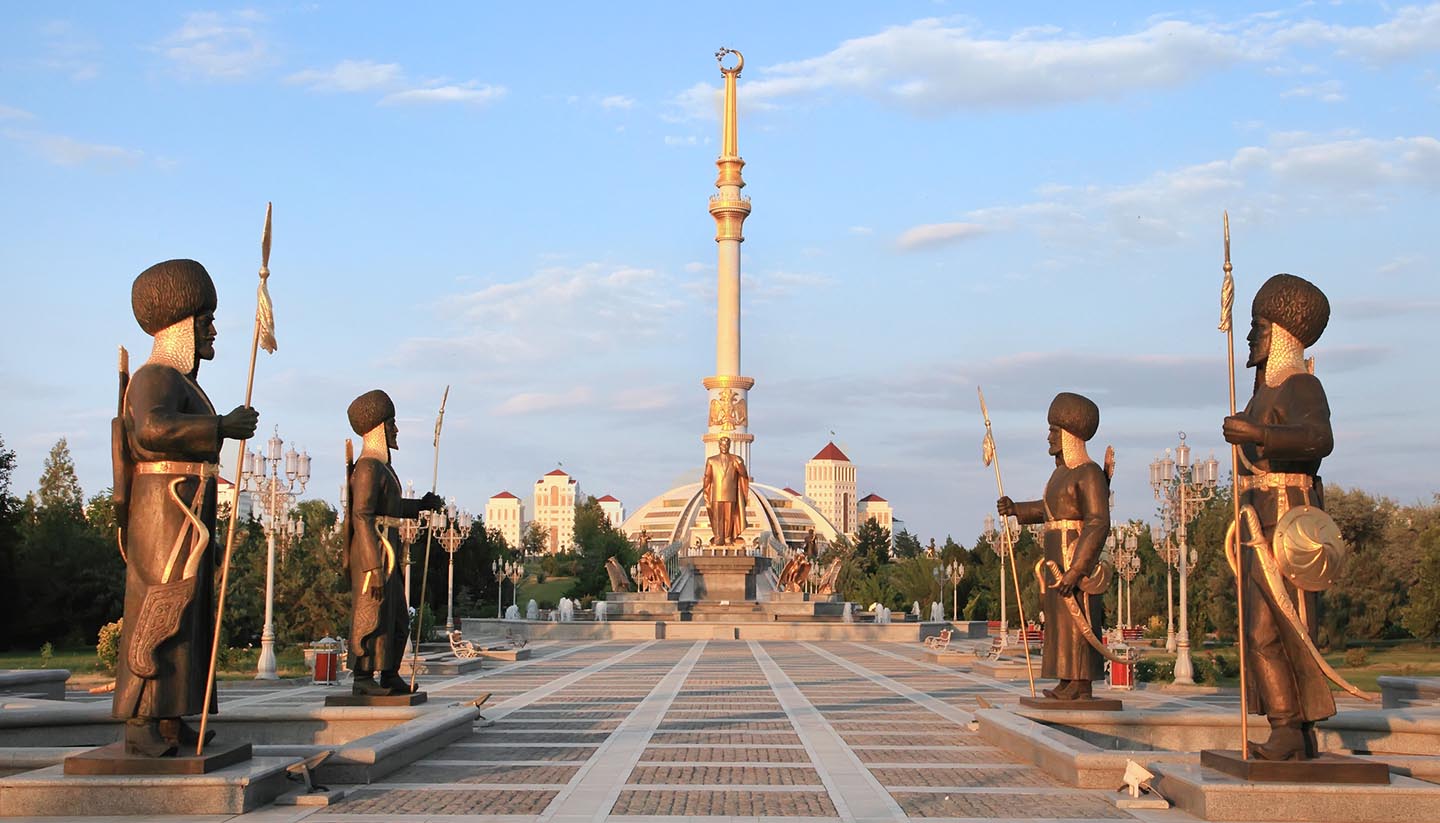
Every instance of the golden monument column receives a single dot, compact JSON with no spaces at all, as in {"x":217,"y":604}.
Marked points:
{"x":728,"y":391}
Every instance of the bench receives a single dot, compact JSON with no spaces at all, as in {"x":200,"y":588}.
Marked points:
{"x":939,"y":642}
{"x":462,"y":648}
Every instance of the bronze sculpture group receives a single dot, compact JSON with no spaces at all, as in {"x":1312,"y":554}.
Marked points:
{"x":166,"y":445}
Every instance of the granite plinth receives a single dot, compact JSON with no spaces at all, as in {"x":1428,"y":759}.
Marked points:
{"x":641,"y":597}
{"x":43,"y":684}
{"x":506,"y":654}
{"x":1005,"y":668}
{"x":729,"y":578}
{"x":1325,"y":768}
{"x":447,"y":666}
{"x":113,"y":760}
{"x":235,"y":789}
{"x":1055,"y":704}
{"x":1212,"y":795}
{"x":1401,"y":692}
{"x":376,"y":699}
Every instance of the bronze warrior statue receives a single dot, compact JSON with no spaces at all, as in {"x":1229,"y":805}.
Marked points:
{"x":1076,"y":514}
{"x":166,"y":447}
{"x":380,"y":619}
{"x":726,"y":486}
{"x":1283,"y":434}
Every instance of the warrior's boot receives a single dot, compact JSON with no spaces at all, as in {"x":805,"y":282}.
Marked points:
{"x":393,"y":683}
{"x":1080,"y":690}
{"x":176,"y":730}
{"x":364,"y":685}
{"x":1287,"y":742}
{"x":1064,"y":691}
{"x":143,"y":738}
{"x":1312,"y":743}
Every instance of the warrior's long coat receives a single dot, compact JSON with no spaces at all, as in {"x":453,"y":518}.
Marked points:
{"x":1283,"y":679}
{"x":378,"y":627}
{"x":167,"y":417}
{"x":1083,"y":494}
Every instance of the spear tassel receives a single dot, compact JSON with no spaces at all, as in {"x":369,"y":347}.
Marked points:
{"x":1006,"y":544}
{"x":264,"y":337}
{"x":1227,"y":311}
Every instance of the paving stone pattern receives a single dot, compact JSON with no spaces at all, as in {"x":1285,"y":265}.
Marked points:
{"x":676,"y":730}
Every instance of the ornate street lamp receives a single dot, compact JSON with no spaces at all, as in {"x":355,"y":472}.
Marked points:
{"x":955,"y":570}
{"x":1181,"y":487}
{"x":515,"y":571}
{"x":274,"y":479}
{"x":998,"y":543}
{"x":1123,"y":545}
{"x":453,"y":529}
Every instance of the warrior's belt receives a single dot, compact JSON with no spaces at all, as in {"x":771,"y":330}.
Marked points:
{"x":1278,"y":481}
{"x":1067,"y":548}
{"x":194,"y":469}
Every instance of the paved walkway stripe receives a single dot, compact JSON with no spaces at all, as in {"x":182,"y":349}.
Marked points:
{"x":856,"y":793}
{"x":594,"y":790}
{"x":523,"y":700}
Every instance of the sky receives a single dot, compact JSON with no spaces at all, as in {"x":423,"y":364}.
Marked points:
{"x":510,"y":199}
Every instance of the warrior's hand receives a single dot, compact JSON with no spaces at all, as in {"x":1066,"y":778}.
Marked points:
{"x":1005,"y":507}
{"x":376,"y":590}
{"x":432,"y":502}
{"x":1068,"y":581}
{"x":1240,"y":430}
{"x":239,"y":424}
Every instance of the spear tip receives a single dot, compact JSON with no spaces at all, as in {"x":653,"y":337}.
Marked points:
{"x":265,"y":238}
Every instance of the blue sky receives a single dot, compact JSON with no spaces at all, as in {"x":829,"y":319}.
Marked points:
{"x":511,"y":199}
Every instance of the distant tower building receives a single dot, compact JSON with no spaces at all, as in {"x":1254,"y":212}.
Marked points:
{"x":506,"y":514}
{"x":874,"y":507}
{"x":614,"y":510}
{"x":555,"y":496}
{"x":830,"y":484}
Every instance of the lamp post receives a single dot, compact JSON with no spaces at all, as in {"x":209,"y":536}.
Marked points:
{"x":1180,"y":487}
{"x":272,"y":477}
{"x":454,"y":528}
{"x":955,"y":570}
{"x":516,"y":570}
{"x":1123,"y":543}
{"x":997,"y":544}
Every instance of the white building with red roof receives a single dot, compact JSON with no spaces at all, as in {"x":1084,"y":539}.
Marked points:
{"x":555,"y":496}
{"x":505,"y":513}
{"x":614,"y":510}
{"x":874,"y":507}
{"x":830,"y":485}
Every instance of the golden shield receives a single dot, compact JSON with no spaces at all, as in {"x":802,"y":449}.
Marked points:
{"x":1309,"y":550}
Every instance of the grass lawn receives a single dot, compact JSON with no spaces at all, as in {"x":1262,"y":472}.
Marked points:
{"x":546,"y":594}
{"x":1413,"y":659}
{"x":85,"y":671}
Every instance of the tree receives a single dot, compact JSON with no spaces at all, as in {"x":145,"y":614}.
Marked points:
{"x":532,"y":542}
{"x":907,"y":545}
{"x":10,"y":508}
{"x":597,"y":541}
{"x":59,"y":488}
{"x":872,"y":546}
{"x":1422,"y":615}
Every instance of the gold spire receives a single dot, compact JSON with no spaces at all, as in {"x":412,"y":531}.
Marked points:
{"x":728,"y":207}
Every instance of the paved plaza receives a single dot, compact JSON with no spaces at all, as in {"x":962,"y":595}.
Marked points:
{"x":715,"y":730}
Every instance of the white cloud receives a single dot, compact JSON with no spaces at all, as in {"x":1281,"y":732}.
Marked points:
{"x":67,"y":151}
{"x":472,"y":93}
{"x":928,"y":65}
{"x":1412,"y":31}
{"x":617,"y":101}
{"x":937,"y":234}
{"x":391,"y":81}
{"x":532,"y":402}
{"x":860,"y":230}
{"x":12,"y":113}
{"x":675,"y":140}
{"x":216,"y":45}
{"x":1329,"y":91}
{"x":69,"y":50}
{"x":350,"y":76}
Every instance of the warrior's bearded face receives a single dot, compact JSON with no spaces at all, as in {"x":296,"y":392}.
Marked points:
{"x":392,"y":434}
{"x":1259,"y":338}
{"x":205,"y":336}
{"x":1056,"y":440}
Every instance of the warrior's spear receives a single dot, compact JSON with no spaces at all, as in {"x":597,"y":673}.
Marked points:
{"x":264,"y":338}
{"x":429,"y":535}
{"x":1227,"y":305}
{"x":1005,"y":543}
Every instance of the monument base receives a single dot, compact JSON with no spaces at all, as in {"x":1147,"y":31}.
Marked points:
{"x":730,"y":577}
{"x":1094,"y":704}
{"x":113,"y":759}
{"x":1212,"y":795}
{"x":232,"y":790}
{"x":376,"y":699}
{"x":1326,"y":768}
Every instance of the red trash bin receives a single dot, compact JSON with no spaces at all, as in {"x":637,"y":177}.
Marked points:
{"x":327,"y":661}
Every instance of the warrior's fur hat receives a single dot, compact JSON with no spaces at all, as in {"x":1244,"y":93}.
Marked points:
{"x":1295,"y":305}
{"x":370,"y":410}
{"x":169,"y":292}
{"x":1074,"y":413}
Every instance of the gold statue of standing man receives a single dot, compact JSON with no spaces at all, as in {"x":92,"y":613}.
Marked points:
{"x":726,"y":486}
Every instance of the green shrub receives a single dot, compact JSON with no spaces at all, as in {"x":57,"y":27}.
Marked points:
{"x":47,"y":653}
{"x":1356,"y":657}
{"x":1151,"y":670}
{"x":107,"y":647}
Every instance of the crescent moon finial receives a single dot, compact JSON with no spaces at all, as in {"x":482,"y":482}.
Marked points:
{"x":739,"y":61}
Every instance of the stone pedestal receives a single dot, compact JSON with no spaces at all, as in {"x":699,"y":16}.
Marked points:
{"x":641,"y":597}
{"x":232,"y":790}
{"x":1094,"y":704}
{"x":1326,"y":768}
{"x":112,"y":759}
{"x":1212,"y":795}
{"x":724,"y":578}
{"x":376,"y":699}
